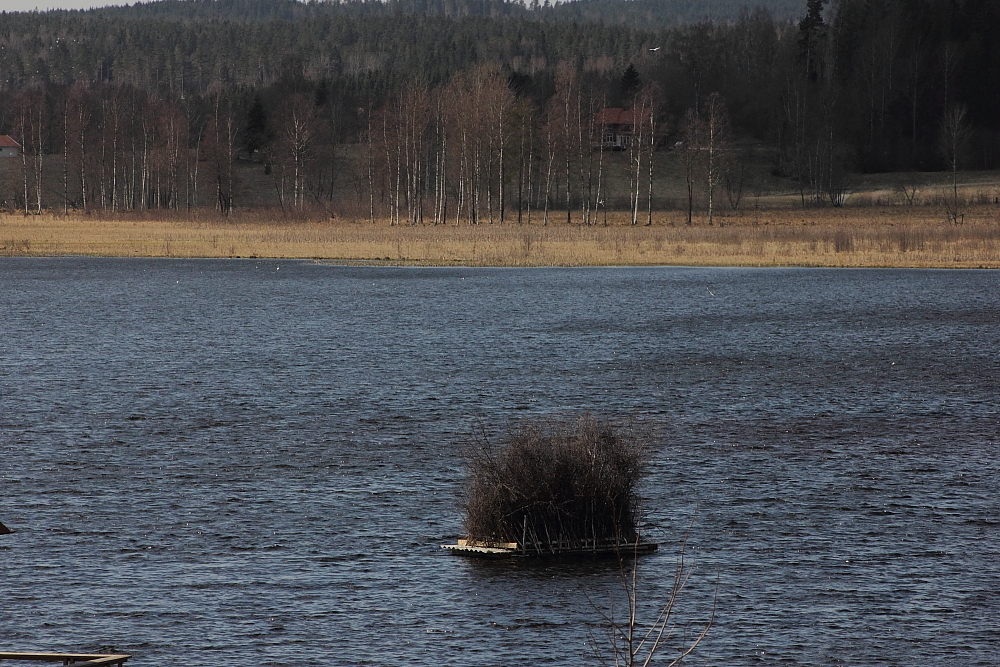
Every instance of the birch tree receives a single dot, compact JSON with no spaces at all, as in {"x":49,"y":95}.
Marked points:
{"x":297,"y":120}
{"x":716,"y":148}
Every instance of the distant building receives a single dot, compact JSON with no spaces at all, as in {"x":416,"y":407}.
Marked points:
{"x":617,"y":128}
{"x":9,"y":147}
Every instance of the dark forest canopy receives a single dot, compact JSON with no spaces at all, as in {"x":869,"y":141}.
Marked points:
{"x":873,"y":85}
{"x":647,"y":13}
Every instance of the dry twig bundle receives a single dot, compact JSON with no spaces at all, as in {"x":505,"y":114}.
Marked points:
{"x":554,"y":485}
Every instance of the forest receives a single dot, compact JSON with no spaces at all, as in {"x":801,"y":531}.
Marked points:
{"x":429,"y":111}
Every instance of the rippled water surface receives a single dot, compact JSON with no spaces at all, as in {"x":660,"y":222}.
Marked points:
{"x":249,"y":462}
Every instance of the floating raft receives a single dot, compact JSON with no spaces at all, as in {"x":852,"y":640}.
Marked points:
{"x":476,"y":549}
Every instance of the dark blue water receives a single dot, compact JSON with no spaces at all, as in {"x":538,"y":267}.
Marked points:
{"x":246,"y":462}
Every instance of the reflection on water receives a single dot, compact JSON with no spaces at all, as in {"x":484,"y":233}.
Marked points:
{"x":221,"y":462}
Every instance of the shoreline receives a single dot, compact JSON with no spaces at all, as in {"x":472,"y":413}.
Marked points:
{"x":870,"y":237}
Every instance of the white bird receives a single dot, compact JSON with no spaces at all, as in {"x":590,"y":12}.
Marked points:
{"x":656,"y":48}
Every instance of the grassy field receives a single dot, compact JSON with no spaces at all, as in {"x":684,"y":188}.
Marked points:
{"x":886,"y":236}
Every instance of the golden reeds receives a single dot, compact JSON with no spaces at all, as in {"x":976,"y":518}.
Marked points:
{"x":892,"y":236}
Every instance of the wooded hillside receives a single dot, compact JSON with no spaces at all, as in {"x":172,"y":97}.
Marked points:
{"x":646,"y":13}
{"x":483,"y":109}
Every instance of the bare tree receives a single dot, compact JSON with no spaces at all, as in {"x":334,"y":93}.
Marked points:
{"x":78,"y":123}
{"x":908,"y":185}
{"x":197,"y":126}
{"x":440,"y":159}
{"x":653,"y":95}
{"x":916,"y":61}
{"x":479,"y":117}
{"x":632,"y":640}
{"x":24,"y":116}
{"x":550,"y":155}
{"x":455,"y":94}
{"x":734,"y":178}
{"x":415,"y":122}
{"x":496,"y":118}
{"x":954,"y":136}
{"x":553,"y":129}
{"x":693,"y":131}
{"x":638,"y":149}
{"x":599,"y":197}
{"x":113,"y":115}
{"x":222,"y":134}
{"x":39,"y":116}
{"x":716,"y":146}
{"x":461,"y":118}
{"x":30,"y":120}
{"x":175,"y":133}
{"x":524,"y":112}
{"x":297,"y":121}
{"x":564,"y":117}
{"x":950,"y":56}
{"x":66,"y":142}
{"x":369,"y":140}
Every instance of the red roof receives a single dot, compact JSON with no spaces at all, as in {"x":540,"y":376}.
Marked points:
{"x":617,"y":116}
{"x":7,"y":142}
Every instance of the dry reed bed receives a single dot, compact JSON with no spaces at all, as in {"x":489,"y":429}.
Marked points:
{"x":850,"y":237}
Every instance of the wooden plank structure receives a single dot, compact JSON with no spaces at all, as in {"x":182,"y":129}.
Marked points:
{"x":75,"y":659}
{"x":476,"y":549}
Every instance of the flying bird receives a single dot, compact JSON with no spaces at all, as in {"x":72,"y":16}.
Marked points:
{"x":655,"y":48}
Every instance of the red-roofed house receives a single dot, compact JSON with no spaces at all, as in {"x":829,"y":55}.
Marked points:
{"x":618,"y":127}
{"x":9,"y":147}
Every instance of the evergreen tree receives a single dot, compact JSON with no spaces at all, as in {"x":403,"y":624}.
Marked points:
{"x":629,"y":84}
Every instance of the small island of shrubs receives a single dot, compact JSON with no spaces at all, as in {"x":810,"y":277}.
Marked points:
{"x":556,"y":486}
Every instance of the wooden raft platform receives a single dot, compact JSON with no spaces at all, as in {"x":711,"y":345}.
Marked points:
{"x":476,"y":549}
{"x":75,"y":659}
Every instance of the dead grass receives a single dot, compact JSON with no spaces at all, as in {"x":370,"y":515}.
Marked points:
{"x":890,"y":236}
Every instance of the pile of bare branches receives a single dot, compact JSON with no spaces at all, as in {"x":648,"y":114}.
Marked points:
{"x":556,"y":484}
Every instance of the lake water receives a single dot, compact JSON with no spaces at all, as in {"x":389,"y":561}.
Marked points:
{"x":255,"y":462}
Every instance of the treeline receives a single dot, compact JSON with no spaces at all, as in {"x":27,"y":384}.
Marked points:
{"x":645,"y":13}
{"x":472,"y":149}
{"x":370,"y":54}
{"x":424,"y":116}
{"x":897,"y":76}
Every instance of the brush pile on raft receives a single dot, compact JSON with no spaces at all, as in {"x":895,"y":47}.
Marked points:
{"x":554,"y":488}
